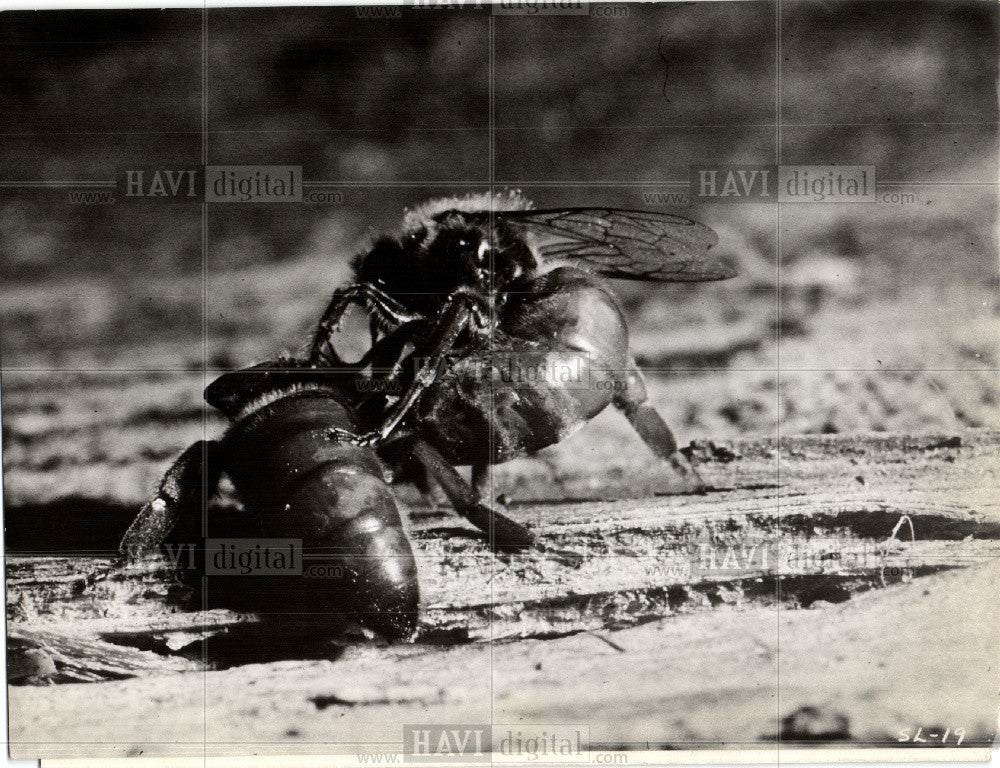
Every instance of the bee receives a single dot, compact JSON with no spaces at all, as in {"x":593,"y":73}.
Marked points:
{"x":473,"y":313}
{"x":496,"y":327}
{"x":298,"y":478}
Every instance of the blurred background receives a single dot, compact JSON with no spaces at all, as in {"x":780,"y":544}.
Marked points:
{"x":845,"y":317}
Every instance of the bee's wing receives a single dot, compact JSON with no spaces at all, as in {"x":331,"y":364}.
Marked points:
{"x":636,"y":245}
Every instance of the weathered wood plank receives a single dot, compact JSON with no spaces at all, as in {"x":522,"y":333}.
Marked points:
{"x":920,"y":654}
{"x":797,"y":543}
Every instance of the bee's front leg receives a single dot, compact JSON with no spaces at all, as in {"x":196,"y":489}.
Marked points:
{"x":384,"y":312}
{"x":454,"y":318}
{"x":190,"y":481}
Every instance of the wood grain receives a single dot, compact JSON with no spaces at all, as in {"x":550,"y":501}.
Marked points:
{"x":668,"y":630}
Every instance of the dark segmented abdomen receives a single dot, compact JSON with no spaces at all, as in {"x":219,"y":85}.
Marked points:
{"x":333,"y":496}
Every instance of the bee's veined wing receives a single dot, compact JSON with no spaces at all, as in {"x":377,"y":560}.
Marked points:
{"x":636,"y":245}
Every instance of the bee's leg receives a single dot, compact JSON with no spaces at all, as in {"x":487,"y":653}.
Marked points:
{"x":455,"y":317}
{"x":631,"y":399}
{"x":407,"y":469}
{"x":383,"y":309}
{"x":179,"y":500}
{"x":386,"y":355}
{"x":482,"y":485}
{"x":481,"y":481}
{"x":431,"y":494}
{"x":505,"y":533}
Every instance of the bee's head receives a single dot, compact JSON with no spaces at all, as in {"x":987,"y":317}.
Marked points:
{"x":470,"y":250}
{"x":441,"y":253}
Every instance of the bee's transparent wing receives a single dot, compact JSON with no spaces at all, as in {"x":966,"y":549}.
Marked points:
{"x":636,"y":245}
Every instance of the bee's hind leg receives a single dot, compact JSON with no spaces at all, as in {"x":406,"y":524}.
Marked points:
{"x":482,"y":485}
{"x":631,"y":399}
{"x":190,"y":481}
{"x":504,"y":533}
{"x":410,"y":470}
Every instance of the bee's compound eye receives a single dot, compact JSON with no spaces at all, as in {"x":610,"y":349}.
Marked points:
{"x":484,"y":246}
{"x":463,"y":243}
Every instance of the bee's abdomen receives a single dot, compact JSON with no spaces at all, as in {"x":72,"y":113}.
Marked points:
{"x":555,"y":362}
{"x":333,"y":496}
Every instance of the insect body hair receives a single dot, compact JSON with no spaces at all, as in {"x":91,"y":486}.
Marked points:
{"x":421,"y":217}
{"x":447,"y":244}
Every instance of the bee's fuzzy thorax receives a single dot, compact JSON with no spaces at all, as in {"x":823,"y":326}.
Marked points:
{"x":422,"y":216}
